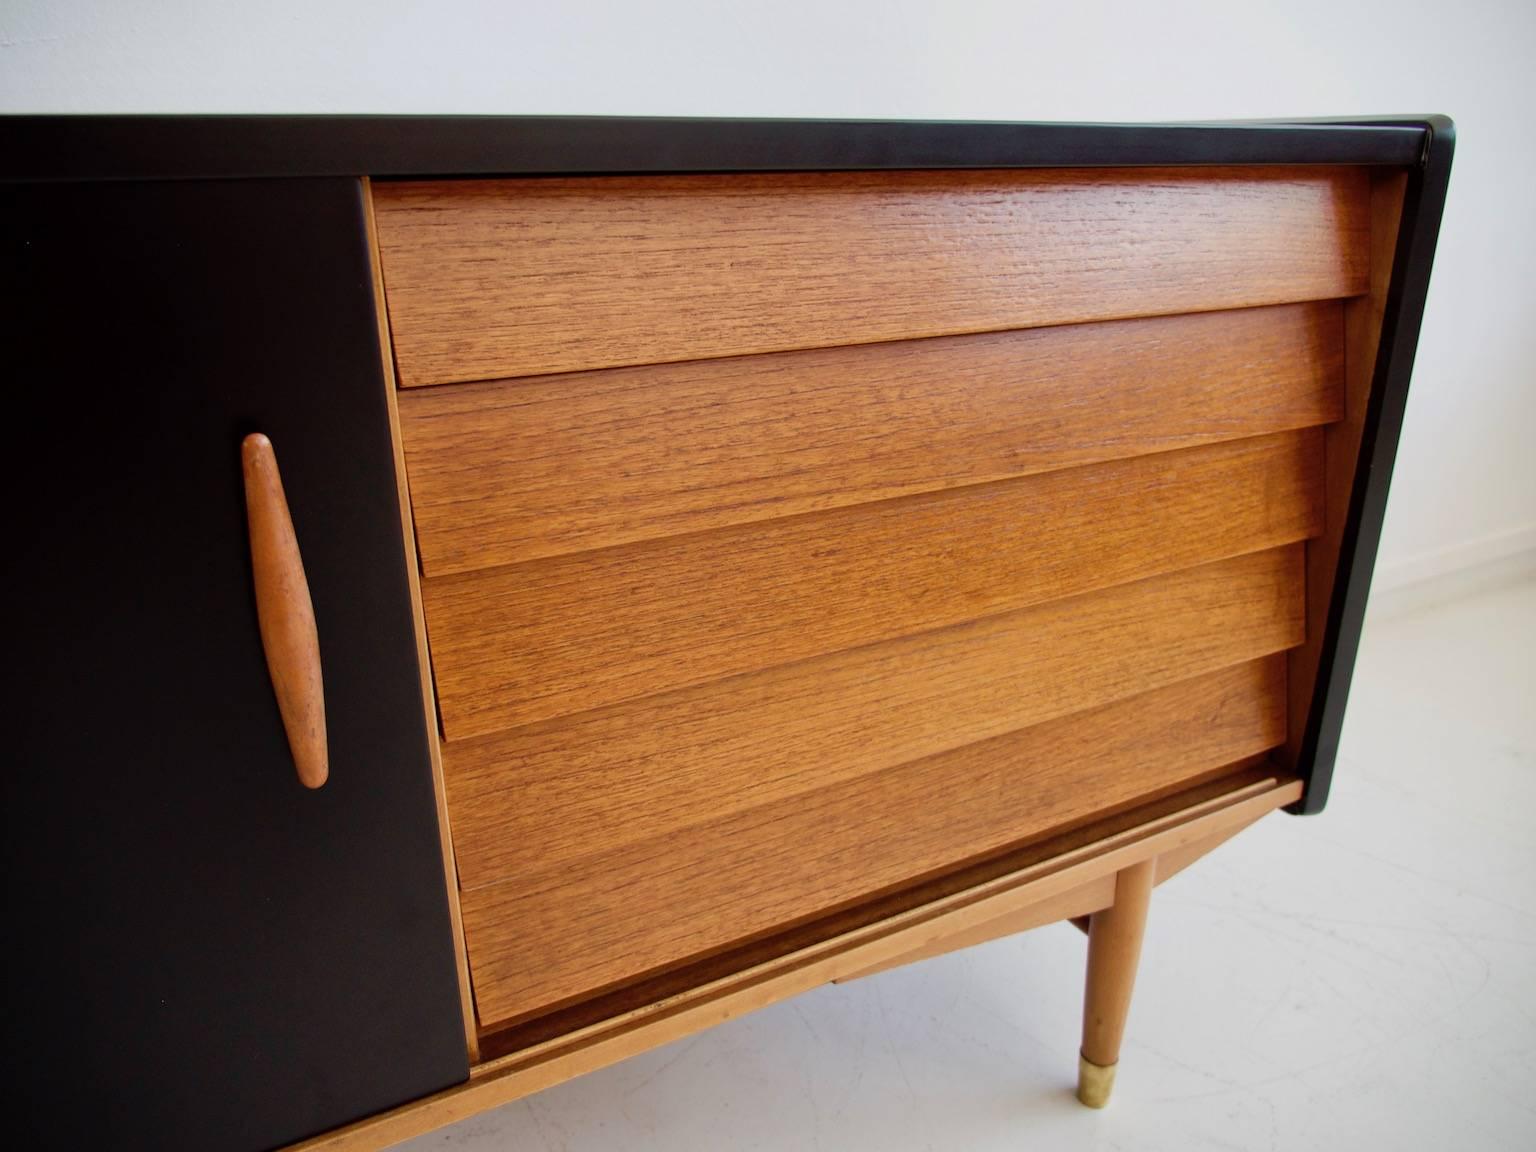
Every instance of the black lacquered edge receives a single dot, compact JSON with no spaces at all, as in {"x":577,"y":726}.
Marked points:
{"x":1418,"y":232}
{"x":218,"y":147}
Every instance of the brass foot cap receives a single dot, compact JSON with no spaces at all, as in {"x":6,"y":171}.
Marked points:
{"x":1094,"y":1082}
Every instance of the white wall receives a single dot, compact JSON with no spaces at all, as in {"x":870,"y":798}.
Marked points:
{"x":1465,"y":490}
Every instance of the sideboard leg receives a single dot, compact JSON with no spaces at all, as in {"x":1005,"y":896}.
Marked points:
{"x":1114,"y":947}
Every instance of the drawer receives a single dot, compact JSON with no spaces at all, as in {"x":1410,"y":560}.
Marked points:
{"x":789,"y":540}
{"x":537,"y":641}
{"x":613,"y":844}
{"x":514,"y":278}
{"x":512,"y":470}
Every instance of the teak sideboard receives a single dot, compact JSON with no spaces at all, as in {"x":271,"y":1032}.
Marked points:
{"x":493,"y":596}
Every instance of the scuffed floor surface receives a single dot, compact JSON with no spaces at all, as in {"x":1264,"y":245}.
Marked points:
{"x":1365,"y":979}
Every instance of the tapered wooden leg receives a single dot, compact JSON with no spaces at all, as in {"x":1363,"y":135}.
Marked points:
{"x":1114,"y":947}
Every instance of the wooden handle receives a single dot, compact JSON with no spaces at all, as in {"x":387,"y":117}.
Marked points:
{"x":284,"y":611}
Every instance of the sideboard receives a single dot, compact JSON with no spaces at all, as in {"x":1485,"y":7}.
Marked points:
{"x":493,"y":596}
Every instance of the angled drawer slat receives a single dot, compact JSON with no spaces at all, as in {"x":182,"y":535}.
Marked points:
{"x":493,"y":278}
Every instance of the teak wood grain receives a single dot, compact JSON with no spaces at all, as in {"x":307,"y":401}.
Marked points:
{"x":493,"y":278}
{"x":512,"y":470}
{"x":540,"y":794}
{"x":627,"y":909}
{"x":532,"y":641}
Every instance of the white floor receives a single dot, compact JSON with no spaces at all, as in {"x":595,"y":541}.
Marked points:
{"x":1362,"y":980}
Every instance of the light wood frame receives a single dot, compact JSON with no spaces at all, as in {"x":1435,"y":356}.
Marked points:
{"x":1066,"y":880}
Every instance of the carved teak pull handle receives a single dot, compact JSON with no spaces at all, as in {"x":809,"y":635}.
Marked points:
{"x":284,"y":611}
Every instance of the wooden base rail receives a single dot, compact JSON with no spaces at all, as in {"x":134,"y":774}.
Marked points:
{"x":1111,"y":873}
{"x":1078,"y":906}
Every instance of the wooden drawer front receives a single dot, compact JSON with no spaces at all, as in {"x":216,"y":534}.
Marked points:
{"x":533,"y":641}
{"x":681,"y":757}
{"x":516,"y":277}
{"x":728,"y":644}
{"x":506,"y":471}
{"x":632,"y":908}
{"x":610,"y":845}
